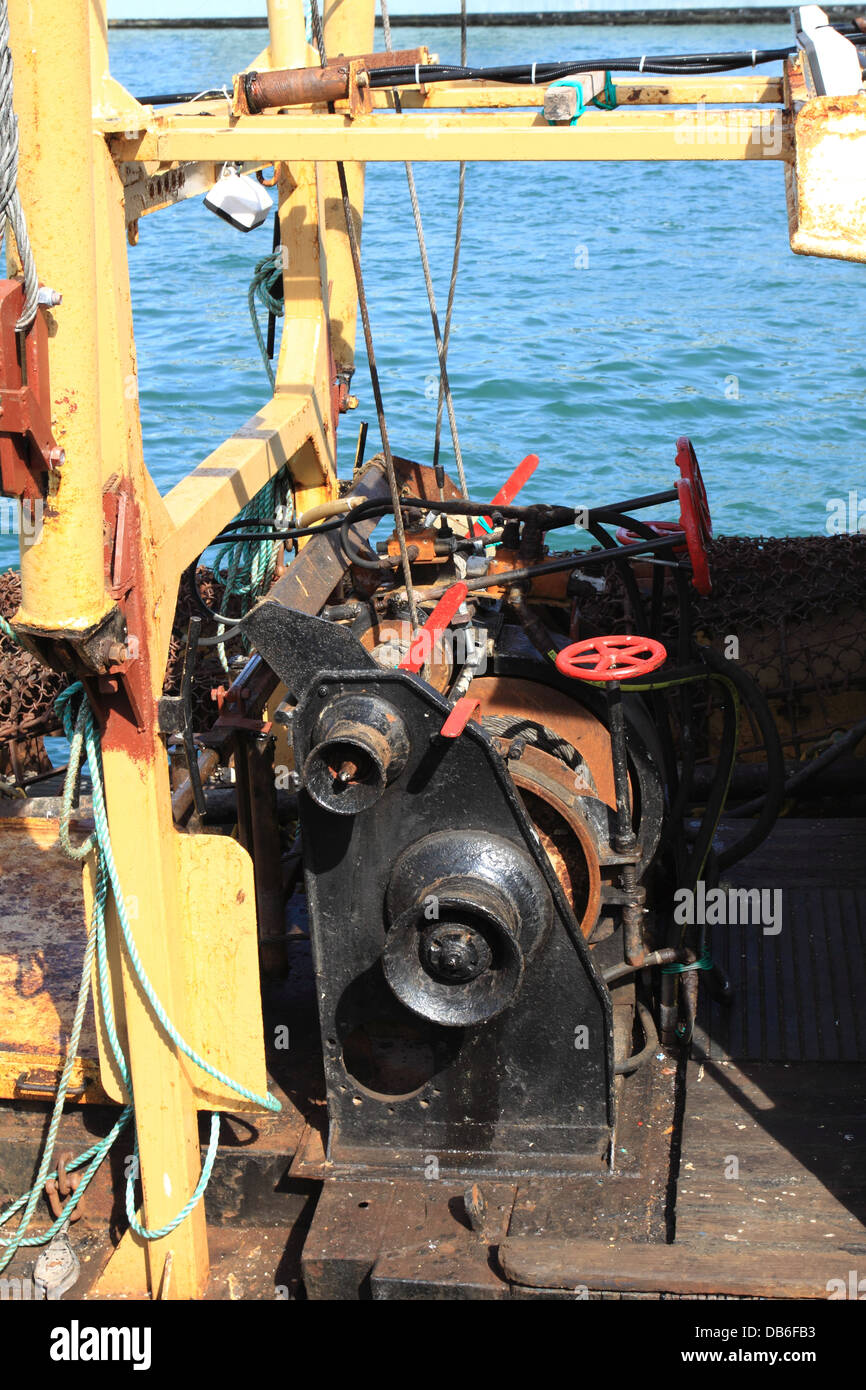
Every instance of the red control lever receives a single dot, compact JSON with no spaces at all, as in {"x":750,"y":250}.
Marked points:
{"x":459,"y":717}
{"x":509,"y":490}
{"x":421,"y":647}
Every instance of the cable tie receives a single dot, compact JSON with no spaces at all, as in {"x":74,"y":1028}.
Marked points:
{"x":532,"y":79}
{"x":753,"y":57}
{"x":417,"y":78}
{"x":642,"y":61}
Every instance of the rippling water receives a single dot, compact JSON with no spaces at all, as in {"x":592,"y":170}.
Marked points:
{"x":602,"y":309}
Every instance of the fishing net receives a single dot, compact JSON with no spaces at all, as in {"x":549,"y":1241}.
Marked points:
{"x":791,"y":611}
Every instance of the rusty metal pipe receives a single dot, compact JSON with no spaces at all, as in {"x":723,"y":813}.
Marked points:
{"x":260,"y":91}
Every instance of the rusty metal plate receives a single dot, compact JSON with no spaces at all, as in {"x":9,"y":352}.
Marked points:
{"x":42,"y":936}
{"x":826,"y":187}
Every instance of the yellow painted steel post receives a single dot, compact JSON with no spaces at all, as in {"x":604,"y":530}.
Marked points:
{"x":304,"y":284}
{"x":144,"y":840}
{"x":74,"y":203}
{"x":62,"y":579}
{"x":349,"y":28}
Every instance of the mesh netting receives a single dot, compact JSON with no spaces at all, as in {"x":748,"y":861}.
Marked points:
{"x":28,"y":689}
{"x":795,"y":608}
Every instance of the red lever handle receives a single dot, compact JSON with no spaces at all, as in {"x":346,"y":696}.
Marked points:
{"x":421,"y":647}
{"x":459,"y":717}
{"x":509,"y":490}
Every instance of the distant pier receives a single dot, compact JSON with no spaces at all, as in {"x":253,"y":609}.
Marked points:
{"x":762,"y":14}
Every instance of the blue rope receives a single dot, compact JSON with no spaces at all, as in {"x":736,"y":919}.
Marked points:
{"x":267,"y":275}
{"x":605,"y":101}
{"x":80,"y":729}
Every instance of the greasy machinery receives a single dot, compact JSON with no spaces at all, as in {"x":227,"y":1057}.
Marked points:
{"x":495,"y":797}
{"x":498,"y":794}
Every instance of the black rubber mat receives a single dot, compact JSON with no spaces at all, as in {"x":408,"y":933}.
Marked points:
{"x":799,"y":994}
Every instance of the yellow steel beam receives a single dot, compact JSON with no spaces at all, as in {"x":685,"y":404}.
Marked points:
{"x":466,"y":96}
{"x":441,"y":96}
{"x":62,"y":578}
{"x":349,"y":28}
{"x":599,"y":135}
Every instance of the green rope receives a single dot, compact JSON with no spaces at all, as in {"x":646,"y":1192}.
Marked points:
{"x":267,"y":276}
{"x":704,"y":963}
{"x":9,"y":631}
{"x":246,"y":568}
{"x":605,"y":101}
{"x":80,"y":729}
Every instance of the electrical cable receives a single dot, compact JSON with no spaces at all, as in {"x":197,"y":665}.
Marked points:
{"x":687,"y":64}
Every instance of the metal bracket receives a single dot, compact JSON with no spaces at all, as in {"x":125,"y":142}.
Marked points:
{"x":175,"y":717}
{"x":28,"y":449}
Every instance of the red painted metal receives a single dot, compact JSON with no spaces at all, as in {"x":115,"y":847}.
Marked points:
{"x":690,"y":469}
{"x":616,"y":658}
{"x":459,"y":717}
{"x":659,"y":528}
{"x":423,"y":642}
{"x":28,"y":450}
{"x":697,"y":537}
{"x":509,"y":490}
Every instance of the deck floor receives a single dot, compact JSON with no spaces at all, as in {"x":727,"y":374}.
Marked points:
{"x":770,"y":1185}
{"x":774,"y":1134}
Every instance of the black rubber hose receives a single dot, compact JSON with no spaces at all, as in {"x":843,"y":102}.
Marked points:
{"x":652,"y":1041}
{"x":752,"y":696}
{"x":687,"y":63}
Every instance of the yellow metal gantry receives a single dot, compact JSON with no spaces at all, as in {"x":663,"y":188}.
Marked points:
{"x":92,"y":162}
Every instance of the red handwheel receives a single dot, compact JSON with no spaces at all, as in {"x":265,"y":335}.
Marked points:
{"x":697,"y":536}
{"x":658,"y":528}
{"x":690,"y":470}
{"x":617,"y":658}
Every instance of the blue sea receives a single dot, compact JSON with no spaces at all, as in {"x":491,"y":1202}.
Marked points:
{"x":602,"y":309}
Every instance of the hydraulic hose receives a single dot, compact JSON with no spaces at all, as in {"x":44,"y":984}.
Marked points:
{"x":752,"y":696}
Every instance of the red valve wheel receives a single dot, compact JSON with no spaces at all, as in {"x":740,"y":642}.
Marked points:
{"x":616,"y":658}
{"x":659,"y":528}
{"x":690,"y":470}
{"x":696,"y":537}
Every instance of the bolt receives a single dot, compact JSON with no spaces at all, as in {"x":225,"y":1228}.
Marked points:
{"x":117,"y":654}
{"x":50,"y":298}
{"x":56,"y":459}
{"x":322,"y":691}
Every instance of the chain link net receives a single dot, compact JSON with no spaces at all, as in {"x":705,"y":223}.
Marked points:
{"x":791,"y":611}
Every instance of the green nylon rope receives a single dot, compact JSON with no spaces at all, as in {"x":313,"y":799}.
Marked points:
{"x":604,"y":102}
{"x":266,"y":276}
{"x":705,"y":962}
{"x":80,"y":729}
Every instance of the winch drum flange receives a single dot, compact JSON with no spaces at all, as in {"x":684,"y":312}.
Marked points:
{"x":466,"y":910}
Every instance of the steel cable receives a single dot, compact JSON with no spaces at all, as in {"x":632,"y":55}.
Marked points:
{"x":444,"y":383}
